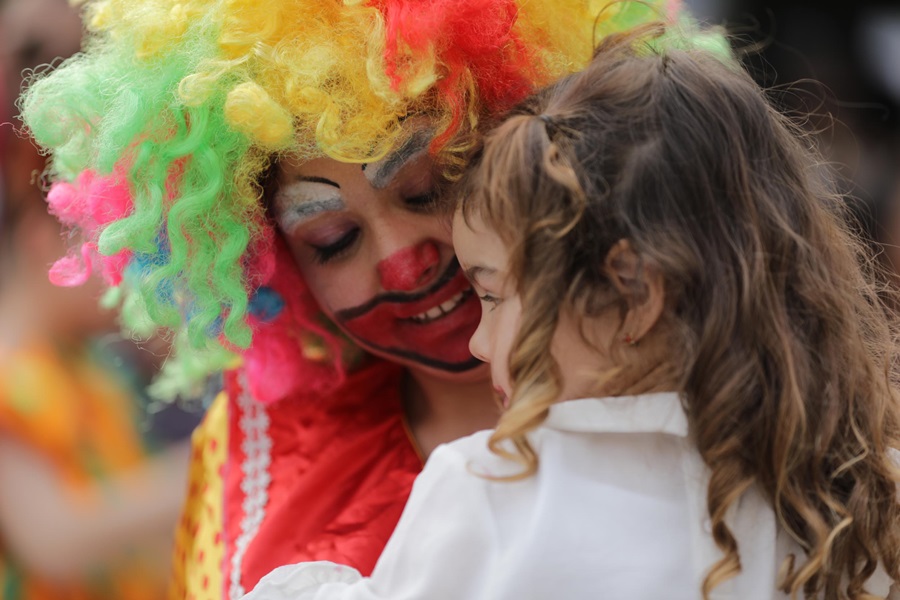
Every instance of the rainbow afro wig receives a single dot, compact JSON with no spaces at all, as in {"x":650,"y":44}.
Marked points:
{"x":160,"y":132}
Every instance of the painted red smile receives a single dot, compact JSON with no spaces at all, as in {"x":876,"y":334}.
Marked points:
{"x":431,"y":327}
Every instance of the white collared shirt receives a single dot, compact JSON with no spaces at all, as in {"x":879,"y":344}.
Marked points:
{"x":617,"y":510}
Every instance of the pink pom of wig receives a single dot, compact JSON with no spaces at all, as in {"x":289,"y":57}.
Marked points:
{"x":87,"y":205}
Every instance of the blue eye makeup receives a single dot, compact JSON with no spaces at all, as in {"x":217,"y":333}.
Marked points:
{"x":299,"y":202}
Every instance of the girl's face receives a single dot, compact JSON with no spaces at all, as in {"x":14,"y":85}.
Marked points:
{"x":379,"y":261}
{"x":485,"y":260}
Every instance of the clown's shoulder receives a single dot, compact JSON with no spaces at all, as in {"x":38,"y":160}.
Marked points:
{"x":309,"y":477}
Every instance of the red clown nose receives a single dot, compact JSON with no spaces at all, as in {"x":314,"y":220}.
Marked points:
{"x":409,"y":268}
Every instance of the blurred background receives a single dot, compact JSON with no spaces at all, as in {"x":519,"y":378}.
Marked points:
{"x":839,"y":62}
{"x":92,"y":471}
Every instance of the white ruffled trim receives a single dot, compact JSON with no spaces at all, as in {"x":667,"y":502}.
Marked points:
{"x":257,"y":447}
{"x":288,"y":582}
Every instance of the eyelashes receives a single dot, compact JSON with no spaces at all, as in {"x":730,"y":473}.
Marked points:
{"x":493,"y":301}
{"x":329,"y":252}
{"x":423,"y":203}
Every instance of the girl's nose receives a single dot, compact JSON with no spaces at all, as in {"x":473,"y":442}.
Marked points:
{"x":410,"y":268}
{"x":478,"y":343}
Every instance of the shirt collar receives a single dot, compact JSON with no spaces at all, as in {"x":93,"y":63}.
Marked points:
{"x":646,"y":413}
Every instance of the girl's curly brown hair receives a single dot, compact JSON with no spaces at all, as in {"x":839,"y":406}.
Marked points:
{"x":781,"y":346}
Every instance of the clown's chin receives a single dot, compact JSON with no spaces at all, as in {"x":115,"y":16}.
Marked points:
{"x":415,"y":360}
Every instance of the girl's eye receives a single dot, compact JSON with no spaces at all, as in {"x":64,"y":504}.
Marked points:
{"x":425,"y":203}
{"x":328,"y":252}
{"x":492,"y":300}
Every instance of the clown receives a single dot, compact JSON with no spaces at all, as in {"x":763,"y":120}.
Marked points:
{"x":260,"y":177}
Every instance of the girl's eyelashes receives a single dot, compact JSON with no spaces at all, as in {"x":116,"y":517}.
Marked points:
{"x":328,"y":252}
{"x":488,"y":299}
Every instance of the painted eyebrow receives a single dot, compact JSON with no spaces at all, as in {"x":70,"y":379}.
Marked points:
{"x":318,"y":180}
{"x":293,"y":207}
{"x":382,"y":172}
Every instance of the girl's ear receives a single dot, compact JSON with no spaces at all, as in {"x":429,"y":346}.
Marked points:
{"x":641,"y":285}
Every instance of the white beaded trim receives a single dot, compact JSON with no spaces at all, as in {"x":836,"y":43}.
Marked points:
{"x":257,"y":447}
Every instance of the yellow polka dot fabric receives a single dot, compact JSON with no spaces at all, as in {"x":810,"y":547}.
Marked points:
{"x":199,"y":542}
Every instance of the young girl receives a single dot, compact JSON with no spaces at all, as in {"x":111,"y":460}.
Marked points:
{"x":689,"y":348}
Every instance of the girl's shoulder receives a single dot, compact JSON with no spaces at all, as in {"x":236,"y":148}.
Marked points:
{"x":460,"y":452}
{"x":471,"y":455}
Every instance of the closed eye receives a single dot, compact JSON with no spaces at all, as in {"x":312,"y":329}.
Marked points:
{"x":329,"y":252}
{"x":424,"y":203}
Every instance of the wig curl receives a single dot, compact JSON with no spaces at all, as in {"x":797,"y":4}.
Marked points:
{"x":180,"y":106}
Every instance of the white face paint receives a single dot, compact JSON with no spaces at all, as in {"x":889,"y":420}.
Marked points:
{"x":304,"y":200}
{"x":381,"y":173}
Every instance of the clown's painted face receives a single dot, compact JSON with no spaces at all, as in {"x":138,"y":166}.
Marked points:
{"x":378,"y":259}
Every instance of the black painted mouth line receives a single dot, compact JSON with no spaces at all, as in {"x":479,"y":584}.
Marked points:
{"x":348,"y":314}
{"x":428,"y":362}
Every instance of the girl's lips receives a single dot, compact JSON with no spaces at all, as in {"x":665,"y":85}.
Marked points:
{"x":501,"y":395}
